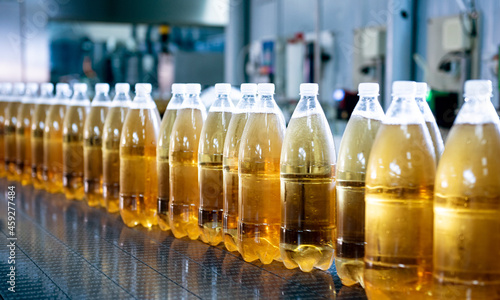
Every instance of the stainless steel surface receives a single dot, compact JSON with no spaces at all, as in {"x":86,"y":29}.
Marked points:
{"x":66,"y":249}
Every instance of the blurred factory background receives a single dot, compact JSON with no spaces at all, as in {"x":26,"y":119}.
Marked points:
{"x":335,"y":43}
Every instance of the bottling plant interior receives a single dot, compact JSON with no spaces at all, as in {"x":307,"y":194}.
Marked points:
{"x":276,"y":149}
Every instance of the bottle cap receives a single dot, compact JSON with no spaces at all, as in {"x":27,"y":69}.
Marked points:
{"x":102,"y":88}
{"x":248,"y":88}
{"x":193,"y":88}
{"x":80,"y":87}
{"x":265,"y":88}
{"x":223,"y":88}
{"x":122,"y":88}
{"x":62,"y":88}
{"x":404,"y":88}
{"x":178,"y":88}
{"x":421,"y":89}
{"x":475,"y":88}
{"x":309,"y":89}
{"x":47,"y":87}
{"x":368,"y":88}
{"x":143,"y":88}
{"x":32,"y":87}
{"x":7,"y":88}
{"x":19,"y":88}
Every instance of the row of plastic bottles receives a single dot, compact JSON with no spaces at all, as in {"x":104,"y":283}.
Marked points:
{"x":237,"y":176}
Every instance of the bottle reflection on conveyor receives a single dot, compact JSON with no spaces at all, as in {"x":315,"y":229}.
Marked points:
{"x":318,"y":282}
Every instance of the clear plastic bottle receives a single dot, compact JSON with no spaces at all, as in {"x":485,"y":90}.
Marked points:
{"x":23,"y":133}
{"x":230,"y":163}
{"x":73,"y":160}
{"x":467,"y":202}
{"x":92,"y":145}
{"x":175,"y":103}
{"x":210,"y":155}
{"x":6,"y":91}
{"x":10,"y":131}
{"x":53,"y":140}
{"x":37,"y":129}
{"x":138,"y":174}
{"x":111,"y":147}
{"x":354,"y":153}
{"x":399,"y":199}
{"x":259,"y":215}
{"x":308,"y":187}
{"x":430,"y":121}
{"x":183,"y":158}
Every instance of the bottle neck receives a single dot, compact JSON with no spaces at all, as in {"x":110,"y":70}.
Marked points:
{"x":404,"y":110}
{"x":477,"y":110}
{"x":247,"y":101}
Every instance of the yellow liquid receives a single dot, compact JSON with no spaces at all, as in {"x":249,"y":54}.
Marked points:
{"x":183,"y":158}
{"x":164,"y":168}
{"x":308,"y":194}
{"x":3,"y":105}
{"x":37,"y":129}
{"x":138,"y":174}
{"x":231,"y":181}
{"x":23,"y":140}
{"x":399,"y":216}
{"x":111,"y":157}
{"x":210,"y":176}
{"x":92,"y":151}
{"x":73,"y":159}
{"x":354,"y":153}
{"x":10,"y":140}
{"x":467,"y":210}
{"x":259,"y":216}
{"x":53,"y":149}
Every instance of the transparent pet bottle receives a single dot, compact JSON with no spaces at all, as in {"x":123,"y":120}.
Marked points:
{"x":308,"y":157}
{"x":10,"y":124}
{"x":259,"y":214}
{"x":23,"y":133}
{"x":354,"y":153}
{"x":6,"y":91}
{"x":230,"y":163}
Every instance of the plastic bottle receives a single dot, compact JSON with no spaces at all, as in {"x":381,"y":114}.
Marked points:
{"x":111,"y":147}
{"x":230,"y":163}
{"x":53,"y":140}
{"x":6,"y":91}
{"x":399,"y":198}
{"x":138,"y":174}
{"x":10,"y":131}
{"x":467,"y":202}
{"x":259,"y":215}
{"x":73,"y":160}
{"x":183,"y":158}
{"x":23,"y":133}
{"x":37,"y":129}
{"x":92,"y":145}
{"x":175,"y":103}
{"x":430,"y":121}
{"x":354,"y":153}
{"x":308,"y":187}
{"x":210,"y":156}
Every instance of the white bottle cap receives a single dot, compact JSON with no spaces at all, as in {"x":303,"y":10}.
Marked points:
{"x":404,"y":88}
{"x":248,"y":88}
{"x":265,"y":88}
{"x":32,"y":87}
{"x":102,"y":88}
{"x":7,"y":88}
{"x":475,"y":88}
{"x":368,"y":88}
{"x":19,"y":87}
{"x":80,"y":87}
{"x":122,"y":88}
{"x":309,"y":89}
{"x":421,"y":89}
{"x":62,"y":88}
{"x":178,"y":88}
{"x":47,"y":87}
{"x":193,"y":88}
{"x":143,"y":88}
{"x":222,"y":88}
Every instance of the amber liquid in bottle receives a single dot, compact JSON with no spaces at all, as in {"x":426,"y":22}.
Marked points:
{"x":308,"y":190}
{"x":259,"y":216}
{"x":10,"y":139}
{"x":23,"y":140}
{"x":37,"y":152}
{"x":3,"y":106}
{"x":467,"y":207}
{"x":53,"y":148}
{"x":138,"y":174}
{"x":183,"y":158}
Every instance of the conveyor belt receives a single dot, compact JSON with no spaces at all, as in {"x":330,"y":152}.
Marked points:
{"x":66,"y":249}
